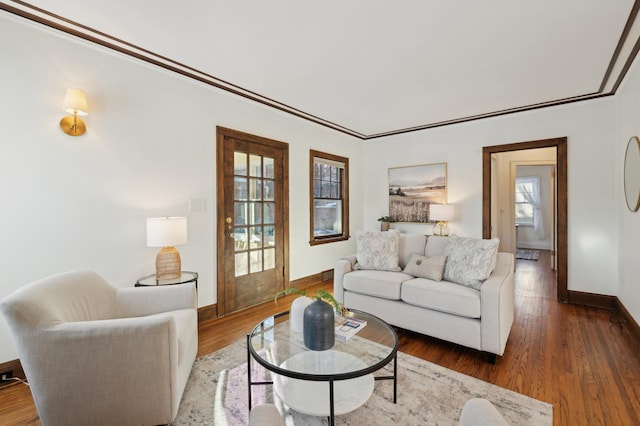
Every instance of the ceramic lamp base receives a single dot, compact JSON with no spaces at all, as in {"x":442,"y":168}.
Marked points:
{"x":168,"y":264}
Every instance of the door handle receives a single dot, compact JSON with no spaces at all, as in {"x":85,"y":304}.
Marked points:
{"x":229,"y":232}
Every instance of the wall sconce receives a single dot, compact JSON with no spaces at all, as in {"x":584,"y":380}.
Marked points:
{"x":442,"y":213}
{"x":75,"y":102}
{"x":167,"y":232}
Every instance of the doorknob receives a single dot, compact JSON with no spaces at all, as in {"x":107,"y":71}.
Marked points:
{"x":229,"y":232}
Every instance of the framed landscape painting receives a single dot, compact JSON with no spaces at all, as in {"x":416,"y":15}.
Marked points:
{"x":412,"y":189}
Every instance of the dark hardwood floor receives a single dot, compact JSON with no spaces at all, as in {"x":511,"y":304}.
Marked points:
{"x":582,"y":360}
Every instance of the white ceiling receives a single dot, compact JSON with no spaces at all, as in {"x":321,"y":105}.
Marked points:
{"x":372,"y":67}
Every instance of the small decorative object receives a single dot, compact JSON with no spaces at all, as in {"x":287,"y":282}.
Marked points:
{"x":296,"y":313}
{"x":167,"y":232}
{"x":441,"y":213}
{"x":385,"y":221}
{"x":319,"y":326}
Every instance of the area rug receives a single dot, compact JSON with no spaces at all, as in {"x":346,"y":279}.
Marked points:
{"x":428,"y":394}
{"x":527,"y":254}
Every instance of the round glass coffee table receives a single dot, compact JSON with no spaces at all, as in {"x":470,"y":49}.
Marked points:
{"x":322,"y":383}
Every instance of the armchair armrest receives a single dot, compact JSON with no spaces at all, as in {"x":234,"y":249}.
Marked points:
{"x":497,"y":305}
{"x":342,"y":266}
{"x":139,"y":301}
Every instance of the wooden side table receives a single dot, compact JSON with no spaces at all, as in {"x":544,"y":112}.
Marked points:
{"x":185,"y":277}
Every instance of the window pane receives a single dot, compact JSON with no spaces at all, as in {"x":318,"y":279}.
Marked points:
{"x":255,"y":189}
{"x":317,"y":188}
{"x":240,"y":163}
{"x":269,"y":259}
{"x":240,"y":237}
{"x":269,"y":213}
{"x":335,"y":190}
{"x":524,"y":214}
{"x":269,"y":236}
{"x":240,"y":213}
{"x":327,"y":216}
{"x":255,"y":213}
{"x":269,"y":191}
{"x":240,"y":188}
{"x":268,"y":167}
{"x":255,"y":237}
{"x":242,"y":264}
{"x":256,"y":261}
{"x":255,"y":165}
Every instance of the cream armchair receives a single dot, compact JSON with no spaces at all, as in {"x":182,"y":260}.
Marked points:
{"x":95,"y":354}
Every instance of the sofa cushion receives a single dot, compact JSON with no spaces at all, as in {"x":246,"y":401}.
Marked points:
{"x":410,"y":244}
{"x":442,"y":296}
{"x":426,"y":267}
{"x":470,"y":260}
{"x":378,"y":250}
{"x":436,"y":245}
{"x":382,"y":284}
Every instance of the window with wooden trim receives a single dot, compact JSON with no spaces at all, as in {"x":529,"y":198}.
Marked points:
{"x":329,"y":195}
{"x":527,"y":199}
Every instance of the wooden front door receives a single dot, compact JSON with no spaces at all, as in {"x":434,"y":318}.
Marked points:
{"x":252,"y":217}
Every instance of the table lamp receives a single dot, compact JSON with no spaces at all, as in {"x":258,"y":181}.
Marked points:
{"x":441,"y":213}
{"x":167,"y":232}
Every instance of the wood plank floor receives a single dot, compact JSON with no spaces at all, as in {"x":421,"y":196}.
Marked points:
{"x":580,"y":359}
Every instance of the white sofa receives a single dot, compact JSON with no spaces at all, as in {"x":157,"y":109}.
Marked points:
{"x":98,"y":355}
{"x":476,"y":318}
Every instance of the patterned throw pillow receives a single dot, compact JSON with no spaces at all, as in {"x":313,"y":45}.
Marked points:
{"x":378,"y":250}
{"x":470,"y":260}
{"x":426,"y":267}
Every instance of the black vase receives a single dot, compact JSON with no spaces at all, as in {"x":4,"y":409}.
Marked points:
{"x":319,"y":326}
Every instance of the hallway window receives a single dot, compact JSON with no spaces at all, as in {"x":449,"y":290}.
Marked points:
{"x":329,"y":182}
{"x":527,"y":199}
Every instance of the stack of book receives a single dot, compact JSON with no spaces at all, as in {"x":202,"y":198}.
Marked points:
{"x":348,"y":328}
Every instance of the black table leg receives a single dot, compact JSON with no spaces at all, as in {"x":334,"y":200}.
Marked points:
{"x":249,"y":371}
{"x":331,"y":408}
{"x":395,"y":377}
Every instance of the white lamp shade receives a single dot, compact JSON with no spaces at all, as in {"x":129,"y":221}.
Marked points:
{"x":166,"y":231}
{"x":75,"y":101}
{"x":441,"y":212}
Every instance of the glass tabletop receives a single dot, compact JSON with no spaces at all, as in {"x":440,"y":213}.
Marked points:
{"x":273,"y":344}
{"x":185,"y":277}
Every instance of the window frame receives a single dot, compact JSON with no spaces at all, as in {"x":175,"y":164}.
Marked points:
{"x":344,"y":192}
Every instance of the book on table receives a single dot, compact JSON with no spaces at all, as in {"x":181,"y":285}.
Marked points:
{"x":345,"y":330}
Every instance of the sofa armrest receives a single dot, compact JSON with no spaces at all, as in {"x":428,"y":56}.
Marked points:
{"x":142,"y":301}
{"x":497,"y":305}
{"x":342,"y":266}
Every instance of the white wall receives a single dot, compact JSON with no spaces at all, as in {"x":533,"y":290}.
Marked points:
{"x":628,"y":223}
{"x":590,"y":129}
{"x":74,"y":203}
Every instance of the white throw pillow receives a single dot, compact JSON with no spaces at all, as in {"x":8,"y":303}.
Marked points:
{"x":470,"y":260}
{"x":378,"y":250}
{"x":426,"y":267}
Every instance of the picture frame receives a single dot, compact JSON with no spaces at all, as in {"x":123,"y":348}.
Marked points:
{"x":413,"y":188}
